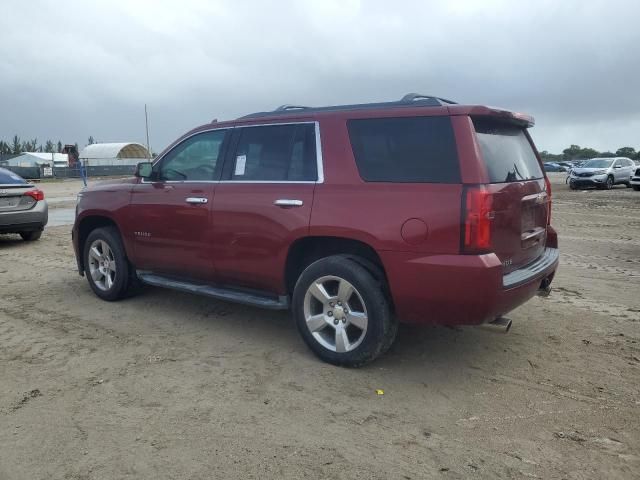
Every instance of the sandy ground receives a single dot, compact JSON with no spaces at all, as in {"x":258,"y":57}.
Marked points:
{"x":172,"y":386}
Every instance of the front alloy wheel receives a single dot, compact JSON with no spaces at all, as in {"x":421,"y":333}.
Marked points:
{"x":102,"y":265}
{"x":107,"y":268}
{"x":609,"y":183}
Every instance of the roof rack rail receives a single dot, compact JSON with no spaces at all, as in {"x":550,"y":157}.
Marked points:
{"x":412,"y":97}
{"x":286,"y":107}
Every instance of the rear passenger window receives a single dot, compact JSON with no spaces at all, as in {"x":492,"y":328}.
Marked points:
{"x":276,"y":153}
{"x":408,"y":149}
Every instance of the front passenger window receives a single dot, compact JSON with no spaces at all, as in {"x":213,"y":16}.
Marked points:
{"x":195,"y":159}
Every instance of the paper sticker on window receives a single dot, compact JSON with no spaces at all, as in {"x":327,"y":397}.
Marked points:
{"x":241,"y":162}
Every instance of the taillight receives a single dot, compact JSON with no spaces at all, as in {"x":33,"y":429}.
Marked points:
{"x":547,"y":184}
{"x":477,"y":218}
{"x":36,"y":194}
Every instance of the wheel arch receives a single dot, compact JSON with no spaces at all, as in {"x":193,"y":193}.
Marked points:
{"x":306,"y":250}
{"x":87,"y":224}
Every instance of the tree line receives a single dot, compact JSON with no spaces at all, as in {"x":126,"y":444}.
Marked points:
{"x":16,"y":146}
{"x":576,"y":152}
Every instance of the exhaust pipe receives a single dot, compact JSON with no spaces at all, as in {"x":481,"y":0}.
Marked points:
{"x":499,"y":325}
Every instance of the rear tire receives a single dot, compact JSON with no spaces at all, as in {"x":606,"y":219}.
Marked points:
{"x":636,"y":188}
{"x":31,"y":236}
{"x":342,"y":312}
{"x":572,"y":186}
{"x":106,"y":265}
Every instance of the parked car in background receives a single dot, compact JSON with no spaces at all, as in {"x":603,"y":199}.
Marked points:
{"x":554,"y":167}
{"x":567,"y":165}
{"x":602,"y":173}
{"x":354,"y":216}
{"x":23,"y":208}
{"x":635,"y":179}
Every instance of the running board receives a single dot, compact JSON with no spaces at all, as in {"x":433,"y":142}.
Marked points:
{"x":232,"y":295}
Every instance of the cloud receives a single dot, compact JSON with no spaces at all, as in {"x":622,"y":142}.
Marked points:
{"x":73,"y":69}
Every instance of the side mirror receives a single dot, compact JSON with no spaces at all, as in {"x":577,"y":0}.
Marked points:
{"x":144,"y":170}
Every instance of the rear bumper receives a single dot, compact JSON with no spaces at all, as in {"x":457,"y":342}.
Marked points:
{"x":25,"y":220}
{"x":461,"y":289}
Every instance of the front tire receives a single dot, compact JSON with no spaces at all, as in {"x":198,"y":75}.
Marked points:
{"x":610,"y":183}
{"x":31,"y":236}
{"x":342,"y":312}
{"x":106,"y":265}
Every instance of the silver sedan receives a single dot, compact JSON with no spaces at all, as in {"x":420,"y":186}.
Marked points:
{"x":23,"y":208}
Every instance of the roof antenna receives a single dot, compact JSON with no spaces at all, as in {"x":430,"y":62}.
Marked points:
{"x":146,"y":124}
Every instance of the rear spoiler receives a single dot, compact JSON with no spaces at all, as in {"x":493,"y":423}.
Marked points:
{"x":507,"y":116}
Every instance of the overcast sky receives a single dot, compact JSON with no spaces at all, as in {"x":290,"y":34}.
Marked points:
{"x":70,"y":69}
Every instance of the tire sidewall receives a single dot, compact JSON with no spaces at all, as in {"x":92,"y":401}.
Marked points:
{"x":377,"y":306}
{"x":112,"y":238}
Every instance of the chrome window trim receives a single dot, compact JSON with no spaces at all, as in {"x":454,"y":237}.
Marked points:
{"x":319,"y":162}
{"x":319,"y":159}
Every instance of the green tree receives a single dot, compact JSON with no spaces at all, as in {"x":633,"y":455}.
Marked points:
{"x":16,"y":145}
{"x":589,"y":153}
{"x":91,"y":140}
{"x":59,"y":146}
{"x":628,"y":152}
{"x":49,"y":147}
{"x":572,"y":152}
{"x":607,"y":154}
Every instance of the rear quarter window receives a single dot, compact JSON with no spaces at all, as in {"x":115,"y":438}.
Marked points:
{"x":407,"y":149}
{"x":507,"y":152}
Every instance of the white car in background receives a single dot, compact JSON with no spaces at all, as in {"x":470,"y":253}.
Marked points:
{"x":603,"y":173}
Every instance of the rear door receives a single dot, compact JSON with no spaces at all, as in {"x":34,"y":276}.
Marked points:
{"x":170,"y":216}
{"x":263,"y":202}
{"x":520,"y":199}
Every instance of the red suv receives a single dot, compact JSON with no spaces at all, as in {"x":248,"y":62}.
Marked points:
{"x":354,"y":216}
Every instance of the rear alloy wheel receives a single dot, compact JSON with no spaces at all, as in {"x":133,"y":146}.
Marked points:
{"x":31,"y":236}
{"x":342,"y":312}
{"x":106,"y":265}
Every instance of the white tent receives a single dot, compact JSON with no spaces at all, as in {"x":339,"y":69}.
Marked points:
{"x":114,"y":154}
{"x":36,"y":159}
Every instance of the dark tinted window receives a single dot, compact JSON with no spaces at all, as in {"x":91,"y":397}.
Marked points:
{"x":507,"y":152}
{"x":7,"y":177}
{"x":194,"y":159}
{"x":411,"y":149}
{"x":276,"y":153}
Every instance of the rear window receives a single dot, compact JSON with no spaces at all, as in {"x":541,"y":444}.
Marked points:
{"x":408,"y":149}
{"x":7,"y":177}
{"x":507,"y":152}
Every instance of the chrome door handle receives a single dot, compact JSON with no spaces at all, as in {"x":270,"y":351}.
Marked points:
{"x":196,"y":200}
{"x":284,"y":202}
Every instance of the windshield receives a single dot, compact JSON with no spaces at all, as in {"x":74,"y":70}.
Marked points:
{"x":7,"y":177}
{"x":597,"y":163}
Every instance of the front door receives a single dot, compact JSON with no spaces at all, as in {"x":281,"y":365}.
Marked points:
{"x":171,"y":213}
{"x":263,"y":203}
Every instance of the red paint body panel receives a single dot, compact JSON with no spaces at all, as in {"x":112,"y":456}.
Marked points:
{"x":171,"y":236}
{"x":252,"y":236}
{"x":241,"y":238}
